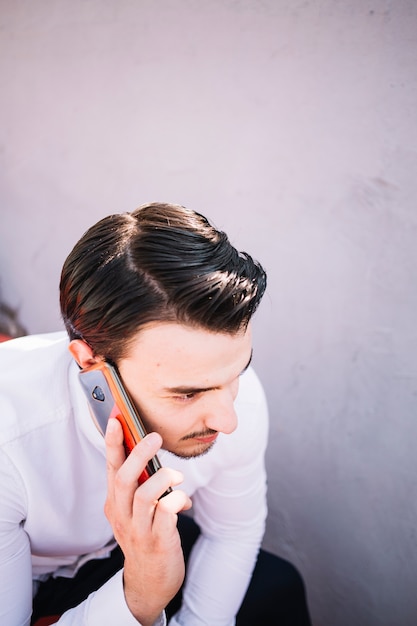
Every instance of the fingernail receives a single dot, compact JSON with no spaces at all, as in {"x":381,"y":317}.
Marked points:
{"x":153,"y":439}
{"x":111,"y":426}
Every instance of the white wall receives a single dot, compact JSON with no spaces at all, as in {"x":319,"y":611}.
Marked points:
{"x":293,"y":126}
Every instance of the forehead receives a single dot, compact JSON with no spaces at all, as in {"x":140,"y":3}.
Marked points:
{"x":171,"y":354}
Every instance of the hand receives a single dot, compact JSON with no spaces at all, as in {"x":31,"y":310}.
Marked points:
{"x":144,"y":526}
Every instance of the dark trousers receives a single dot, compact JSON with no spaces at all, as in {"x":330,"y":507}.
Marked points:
{"x":275,"y":597}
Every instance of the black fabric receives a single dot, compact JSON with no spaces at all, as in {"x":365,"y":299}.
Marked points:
{"x":275,"y":597}
{"x":57,"y":595}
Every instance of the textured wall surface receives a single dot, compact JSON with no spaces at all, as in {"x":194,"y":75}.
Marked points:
{"x":292,"y":125}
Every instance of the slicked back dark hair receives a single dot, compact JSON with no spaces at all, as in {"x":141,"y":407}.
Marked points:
{"x":159,"y":263}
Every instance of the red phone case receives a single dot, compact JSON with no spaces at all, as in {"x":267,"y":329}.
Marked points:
{"x":108,"y":398}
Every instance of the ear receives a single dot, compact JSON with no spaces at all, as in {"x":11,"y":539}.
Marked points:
{"x":82,"y":353}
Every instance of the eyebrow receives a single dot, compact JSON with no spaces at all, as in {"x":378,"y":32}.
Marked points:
{"x":184,"y":390}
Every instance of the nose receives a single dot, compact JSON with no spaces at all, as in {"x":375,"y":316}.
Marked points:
{"x":220,"y":412}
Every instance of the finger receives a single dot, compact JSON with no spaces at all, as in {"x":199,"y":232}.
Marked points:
{"x":141,"y":454}
{"x":148,"y":494}
{"x":166,"y":513}
{"x":174,"y":502}
{"x":126,"y":478}
{"x":114,"y":444}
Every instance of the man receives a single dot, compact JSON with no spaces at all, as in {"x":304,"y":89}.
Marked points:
{"x":165,"y":297}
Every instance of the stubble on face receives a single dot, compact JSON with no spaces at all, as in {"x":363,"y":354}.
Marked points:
{"x":207,"y":441}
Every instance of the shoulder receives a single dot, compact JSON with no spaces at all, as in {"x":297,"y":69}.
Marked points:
{"x":24,"y":351}
{"x":34,"y":381}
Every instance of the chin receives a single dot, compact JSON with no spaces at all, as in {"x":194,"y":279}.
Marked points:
{"x":195,"y":452}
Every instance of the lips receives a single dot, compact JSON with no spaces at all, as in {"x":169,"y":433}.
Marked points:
{"x":208,"y":438}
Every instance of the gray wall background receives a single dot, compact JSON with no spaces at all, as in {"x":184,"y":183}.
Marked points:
{"x":292,"y":125}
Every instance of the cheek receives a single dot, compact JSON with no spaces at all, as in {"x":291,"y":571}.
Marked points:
{"x":169,"y":422}
{"x":153,"y":418}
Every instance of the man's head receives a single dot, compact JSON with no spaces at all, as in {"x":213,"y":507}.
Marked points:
{"x":160,"y":263}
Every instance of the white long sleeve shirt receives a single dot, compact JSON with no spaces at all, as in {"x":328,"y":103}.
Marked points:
{"x":53,"y":489}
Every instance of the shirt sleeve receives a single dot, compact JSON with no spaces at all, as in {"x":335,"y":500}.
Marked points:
{"x":104,"y":607}
{"x":15,"y":557}
{"x":231,"y":512}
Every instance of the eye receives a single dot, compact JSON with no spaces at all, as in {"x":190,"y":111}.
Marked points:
{"x":186,"y":397}
{"x":185,"y":394}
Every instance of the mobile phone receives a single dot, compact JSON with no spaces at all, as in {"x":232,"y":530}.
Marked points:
{"x":108,"y":397}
